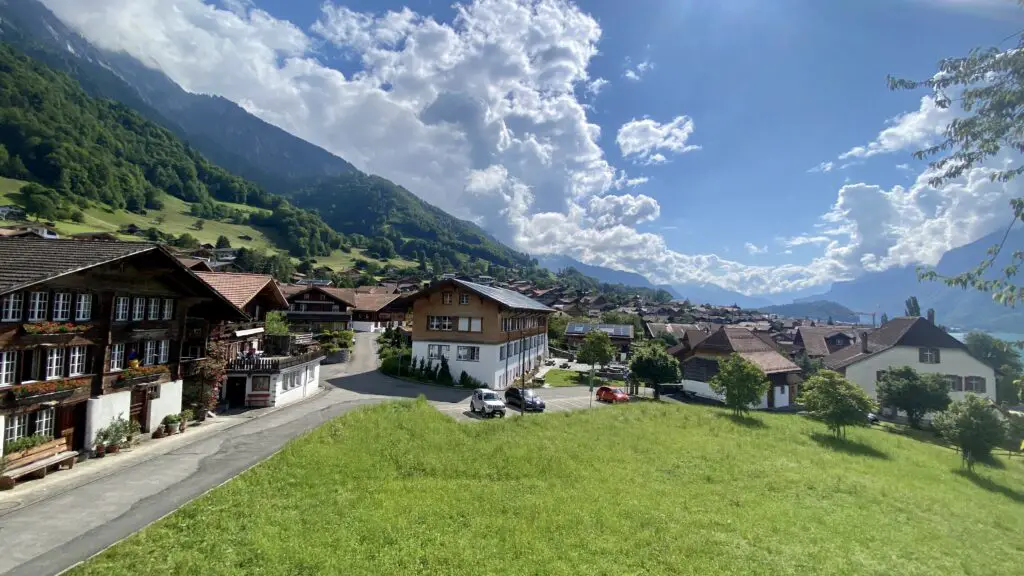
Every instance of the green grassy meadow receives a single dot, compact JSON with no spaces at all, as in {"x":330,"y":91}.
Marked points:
{"x":648,"y":488}
{"x":558,"y":378}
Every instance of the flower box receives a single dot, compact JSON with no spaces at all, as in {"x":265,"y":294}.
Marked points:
{"x":36,"y":453}
{"x":49,"y":390}
{"x":141,"y":375}
{"x":53,"y":328}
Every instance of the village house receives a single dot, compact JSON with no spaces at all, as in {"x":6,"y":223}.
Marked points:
{"x":11,"y":212}
{"x":29,"y":230}
{"x":816,"y":342}
{"x":621,"y":336}
{"x":916,"y":342}
{"x":90,"y":331}
{"x":318,"y":308}
{"x":699,"y":360}
{"x":493,"y":334}
{"x":262,"y":370}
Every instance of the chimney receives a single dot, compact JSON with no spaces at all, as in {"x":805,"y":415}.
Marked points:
{"x":931,"y":315}
{"x":864,"y":342}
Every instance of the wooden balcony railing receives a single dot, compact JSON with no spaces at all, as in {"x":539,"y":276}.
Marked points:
{"x":270,"y":365}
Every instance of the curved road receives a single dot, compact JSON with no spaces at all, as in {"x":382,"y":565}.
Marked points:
{"x":51,"y":535}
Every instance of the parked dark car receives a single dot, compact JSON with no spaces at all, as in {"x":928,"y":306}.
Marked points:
{"x":526,"y":399}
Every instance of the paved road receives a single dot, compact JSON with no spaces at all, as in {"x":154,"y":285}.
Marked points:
{"x":51,"y":535}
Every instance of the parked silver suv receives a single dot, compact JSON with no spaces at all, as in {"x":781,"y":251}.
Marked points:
{"x":486,"y":403}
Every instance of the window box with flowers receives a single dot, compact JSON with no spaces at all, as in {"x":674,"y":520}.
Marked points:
{"x":53,"y":328}
{"x":49,"y":390}
{"x":141,"y":375}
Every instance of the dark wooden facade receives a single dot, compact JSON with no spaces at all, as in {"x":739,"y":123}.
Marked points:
{"x":90,"y":343}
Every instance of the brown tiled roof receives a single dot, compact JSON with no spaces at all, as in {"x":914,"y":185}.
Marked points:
{"x":375,"y":290}
{"x":813,"y":338}
{"x":904,"y":331}
{"x":346,"y":295}
{"x":748,"y":346}
{"x":290,"y":290}
{"x":677,"y":330}
{"x":373,"y":302}
{"x":239,"y":288}
{"x":196,"y":264}
{"x":29,"y":260}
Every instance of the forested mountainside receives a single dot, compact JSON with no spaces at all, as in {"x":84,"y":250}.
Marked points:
{"x":816,"y":309}
{"x":82,"y":149}
{"x":372,"y":206}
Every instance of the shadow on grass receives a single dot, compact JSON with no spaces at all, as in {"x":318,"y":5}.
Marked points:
{"x":742,"y":420}
{"x":847,"y":446}
{"x":991,"y":485}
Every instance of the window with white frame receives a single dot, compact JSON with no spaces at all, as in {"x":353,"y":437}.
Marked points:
{"x":928,"y":355}
{"x":435,"y":351}
{"x":469,"y":353}
{"x":446,"y":297}
{"x":974,"y":384}
{"x":463,"y":324}
{"x":463,"y":299}
{"x":149,"y":353}
{"x":8,"y":362}
{"x":76,"y":365}
{"x":54,"y":363}
{"x":956,"y":383}
{"x":61,"y":306}
{"x":83,"y":308}
{"x":10,"y":307}
{"x":154,"y":308}
{"x":139,"y":309}
{"x":168,"y":308}
{"x":117,"y":357}
{"x":37,"y":306}
{"x":439,"y":323}
{"x":17,"y":427}
{"x":121,"y":306}
{"x":164,"y":351}
{"x":45,"y":422}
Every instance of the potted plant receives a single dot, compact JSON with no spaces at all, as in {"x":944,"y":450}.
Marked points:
{"x":133,"y":433}
{"x":100,"y":443}
{"x":171,"y":424}
{"x":158,"y":433}
{"x":116,"y":433}
{"x":186,"y":417}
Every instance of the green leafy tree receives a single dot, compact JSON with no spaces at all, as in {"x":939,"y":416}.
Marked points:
{"x":668,"y":340}
{"x":186,"y":240}
{"x":652,"y":366}
{"x":422,"y":258}
{"x":916,"y":394}
{"x":986,"y":85}
{"x":912,"y":307}
{"x":275,"y":323}
{"x":199,"y":224}
{"x":1002,"y":357}
{"x":429,"y":373}
{"x":884,"y":318}
{"x":556,"y":327}
{"x":422,"y":371}
{"x":809,"y":366}
{"x":596,"y":349}
{"x":972,"y":425}
{"x":444,"y":373}
{"x":223,"y":242}
{"x":830,"y":322}
{"x":78,"y":216}
{"x":741,"y":382}
{"x":836,"y":401}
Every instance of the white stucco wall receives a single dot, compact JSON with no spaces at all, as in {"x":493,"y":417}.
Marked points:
{"x":951,"y":361}
{"x":169,"y":402}
{"x":308,"y":385}
{"x":703,"y":390}
{"x":491,"y":367}
{"x":101,"y":411}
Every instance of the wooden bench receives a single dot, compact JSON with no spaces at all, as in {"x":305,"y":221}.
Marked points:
{"x":39,"y":468}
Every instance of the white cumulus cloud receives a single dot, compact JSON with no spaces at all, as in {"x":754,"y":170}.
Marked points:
{"x":910,"y":131}
{"x":645,"y":140}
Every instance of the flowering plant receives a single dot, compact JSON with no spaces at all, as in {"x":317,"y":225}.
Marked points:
{"x":55,"y":328}
{"x":48,"y":387}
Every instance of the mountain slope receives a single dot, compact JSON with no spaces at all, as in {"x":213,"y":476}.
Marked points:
{"x":886,"y":291}
{"x":555,"y":263}
{"x":817,"y":309}
{"x":224,"y":132}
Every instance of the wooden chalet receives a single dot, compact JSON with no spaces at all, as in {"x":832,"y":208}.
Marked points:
{"x":90,"y":331}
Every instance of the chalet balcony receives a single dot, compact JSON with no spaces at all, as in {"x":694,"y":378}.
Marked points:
{"x":270,"y":364}
{"x":130,"y":377}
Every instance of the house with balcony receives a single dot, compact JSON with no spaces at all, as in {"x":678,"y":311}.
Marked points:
{"x":262,"y":370}
{"x":319,"y":308}
{"x":916,"y":342}
{"x":493,"y":334}
{"x":621,"y":336}
{"x":90,"y":331}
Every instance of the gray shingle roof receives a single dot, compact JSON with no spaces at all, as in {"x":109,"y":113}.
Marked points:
{"x":29,"y":260}
{"x":509,"y":298}
{"x":613,"y":330}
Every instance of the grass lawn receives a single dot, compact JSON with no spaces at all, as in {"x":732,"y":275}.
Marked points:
{"x":650,"y":488}
{"x":558,"y":378}
{"x":340,"y":261}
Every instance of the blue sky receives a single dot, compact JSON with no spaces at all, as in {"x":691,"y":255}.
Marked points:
{"x":491,"y":118}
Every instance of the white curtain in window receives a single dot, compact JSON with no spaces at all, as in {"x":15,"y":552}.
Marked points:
{"x":83,"y":309}
{"x":54,"y":363}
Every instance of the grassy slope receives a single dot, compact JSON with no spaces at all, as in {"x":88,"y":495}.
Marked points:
{"x":641,"y":489}
{"x":177,"y":221}
{"x":556,"y":377}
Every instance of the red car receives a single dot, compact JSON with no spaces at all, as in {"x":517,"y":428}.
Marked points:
{"x":613,"y":395}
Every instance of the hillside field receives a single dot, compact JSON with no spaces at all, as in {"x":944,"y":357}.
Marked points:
{"x":646,"y":488}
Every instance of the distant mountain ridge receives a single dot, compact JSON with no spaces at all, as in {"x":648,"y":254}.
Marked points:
{"x":815,"y":309}
{"x":887,"y":291}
